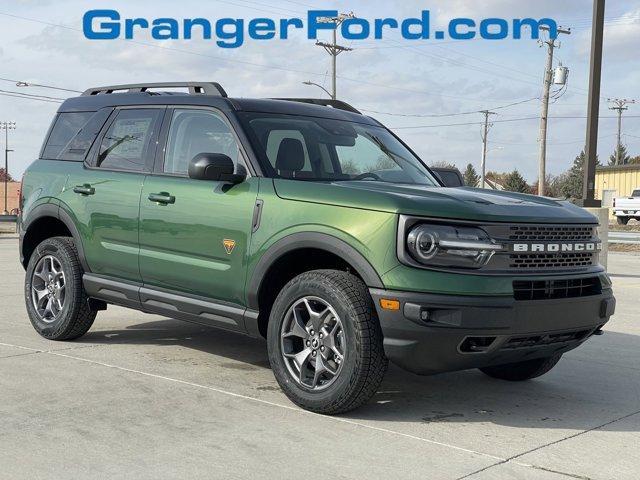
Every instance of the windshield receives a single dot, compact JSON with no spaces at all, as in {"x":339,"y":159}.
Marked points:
{"x":321,"y":149}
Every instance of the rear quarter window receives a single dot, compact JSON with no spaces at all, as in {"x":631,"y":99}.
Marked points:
{"x":65,"y":127}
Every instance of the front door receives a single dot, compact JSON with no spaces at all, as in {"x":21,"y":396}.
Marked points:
{"x":194,"y":234}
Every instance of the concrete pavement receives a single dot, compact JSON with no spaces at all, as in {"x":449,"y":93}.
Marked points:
{"x":144,"y":397}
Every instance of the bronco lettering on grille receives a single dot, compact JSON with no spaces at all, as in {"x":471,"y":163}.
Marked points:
{"x":557,"y":247}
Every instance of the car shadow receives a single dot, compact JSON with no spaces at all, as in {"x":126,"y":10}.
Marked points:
{"x":587,"y":384}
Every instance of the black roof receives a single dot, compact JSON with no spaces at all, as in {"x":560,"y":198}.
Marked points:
{"x":303,"y":107}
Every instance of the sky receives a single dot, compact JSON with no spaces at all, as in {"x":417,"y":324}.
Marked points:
{"x":422,"y":90}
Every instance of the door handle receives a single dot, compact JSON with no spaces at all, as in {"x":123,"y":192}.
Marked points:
{"x":85,"y":189}
{"x":163,"y":197}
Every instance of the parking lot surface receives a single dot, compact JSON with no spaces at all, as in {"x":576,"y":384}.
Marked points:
{"x":141,"y":397}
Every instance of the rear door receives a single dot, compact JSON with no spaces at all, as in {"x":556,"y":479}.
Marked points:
{"x":105,"y":195}
{"x":195,"y":240}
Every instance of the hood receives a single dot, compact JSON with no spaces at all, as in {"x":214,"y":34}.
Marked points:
{"x":448,"y":203}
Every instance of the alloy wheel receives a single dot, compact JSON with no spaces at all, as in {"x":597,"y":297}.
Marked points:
{"x":48,"y":288}
{"x":313,"y":343}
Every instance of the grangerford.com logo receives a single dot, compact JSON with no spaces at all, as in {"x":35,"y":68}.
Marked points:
{"x":231,"y":32}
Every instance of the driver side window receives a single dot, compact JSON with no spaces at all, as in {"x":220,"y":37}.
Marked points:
{"x":193,"y":132}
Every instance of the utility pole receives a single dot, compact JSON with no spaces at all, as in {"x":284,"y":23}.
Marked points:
{"x":485,"y":133}
{"x":6,"y":126}
{"x":595,"y":75}
{"x":620,"y":105}
{"x":548,"y":79}
{"x":334,"y":49}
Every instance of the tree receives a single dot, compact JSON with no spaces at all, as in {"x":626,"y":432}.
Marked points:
{"x":443,"y":164}
{"x":570,"y":183}
{"x":515,"y":182}
{"x":635,"y":160}
{"x":471,"y":177}
{"x":552,"y":184}
{"x":4,"y":176}
{"x":621,"y":153}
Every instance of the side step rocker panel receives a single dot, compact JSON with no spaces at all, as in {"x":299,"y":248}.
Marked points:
{"x":171,"y":304}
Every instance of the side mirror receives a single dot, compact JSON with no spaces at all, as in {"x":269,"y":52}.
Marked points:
{"x":214,"y":166}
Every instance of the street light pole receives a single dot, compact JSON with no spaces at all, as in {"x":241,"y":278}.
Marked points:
{"x":6,"y":126}
{"x":309,"y":82}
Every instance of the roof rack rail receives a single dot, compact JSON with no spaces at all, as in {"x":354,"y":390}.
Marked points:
{"x":195,"y":88}
{"x":339,"y":104}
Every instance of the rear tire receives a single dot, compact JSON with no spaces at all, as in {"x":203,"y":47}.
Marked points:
{"x":349,"y":353}
{"x":56,"y":302}
{"x":517,"y":372}
{"x":623,"y":220}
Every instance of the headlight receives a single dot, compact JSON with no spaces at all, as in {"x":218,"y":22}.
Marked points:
{"x":450,"y":246}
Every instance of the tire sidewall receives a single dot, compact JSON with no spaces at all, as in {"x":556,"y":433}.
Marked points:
{"x":324,"y":289}
{"x":57,"y":250}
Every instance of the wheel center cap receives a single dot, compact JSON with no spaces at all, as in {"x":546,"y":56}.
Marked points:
{"x":315,"y":343}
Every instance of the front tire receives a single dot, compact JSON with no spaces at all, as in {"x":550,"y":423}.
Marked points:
{"x":520,"y":371}
{"x":56,"y":302}
{"x":623,"y":220}
{"x":325,"y":342}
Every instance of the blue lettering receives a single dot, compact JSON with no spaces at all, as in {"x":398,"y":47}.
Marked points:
{"x":262,"y":29}
{"x":380,"y":23}
{"x":165,"y":29}
{"x":189,"y":23}
{"x":237,"y":35}
{"x":487,"y":34}
{"x":534,"y":25}
{"x":284,"y":26}
{"x":108,"y":30}
{"x":361,"y":23}
{"x":423,"y":23}
{"x":131,"y":23}
{"x":455,"y":34}
{"x":315,"y":22}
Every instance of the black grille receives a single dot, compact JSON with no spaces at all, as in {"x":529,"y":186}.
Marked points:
{"x":539,"y":340}
{"x":551,"y":233}
{"x":552,"y":289}
{"x":551,"y":260}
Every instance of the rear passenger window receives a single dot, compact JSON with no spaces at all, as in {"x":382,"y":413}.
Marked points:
{"x":76,"y":150}
{"x":66,"y":126}
{"x":127,"y":143}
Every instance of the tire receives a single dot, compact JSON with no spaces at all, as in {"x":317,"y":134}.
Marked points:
{"x":354,"y":354}
{"x":623,"y":220}
{"x":520,"y":371}
{"x":75,"y":317}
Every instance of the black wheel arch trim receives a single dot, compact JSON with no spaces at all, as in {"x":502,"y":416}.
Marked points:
{"x":55,"y":211}
{"x":321,"y":241}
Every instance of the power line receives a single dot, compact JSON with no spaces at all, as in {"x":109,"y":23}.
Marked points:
{"x":32,"y":95}
{"x":502,"y":121}
{"x":437,"y":115}
{"x":30,"y":98}
{"x":20,"y":83}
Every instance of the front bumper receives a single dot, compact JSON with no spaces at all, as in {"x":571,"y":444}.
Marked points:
{"x":438,"y":333}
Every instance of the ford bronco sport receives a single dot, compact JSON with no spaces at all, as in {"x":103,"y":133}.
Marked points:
{"x":305,"y":222}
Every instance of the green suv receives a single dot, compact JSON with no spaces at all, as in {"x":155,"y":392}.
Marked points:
{"x":304,"y":222}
